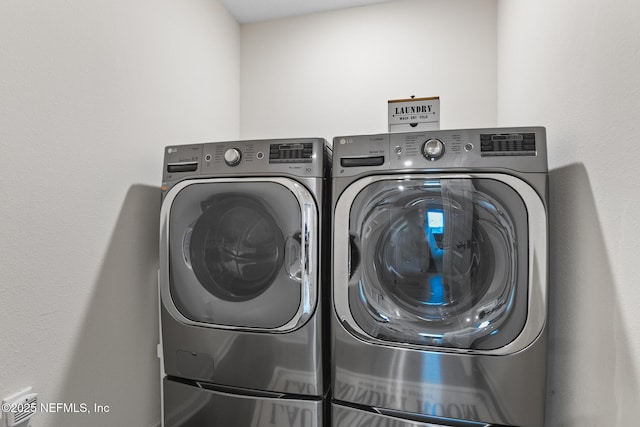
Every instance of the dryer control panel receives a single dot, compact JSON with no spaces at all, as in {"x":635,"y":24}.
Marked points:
{"x":520,"y":149}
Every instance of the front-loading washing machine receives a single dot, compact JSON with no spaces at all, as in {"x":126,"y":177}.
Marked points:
{"x":440,"y":277}
{"x":241,"y":284}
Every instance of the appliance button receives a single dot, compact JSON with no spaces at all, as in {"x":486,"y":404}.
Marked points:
{"x":433,"y":149}
{"x":232,"y":156}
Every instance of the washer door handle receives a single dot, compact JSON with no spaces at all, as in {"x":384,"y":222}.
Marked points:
{"x":293,"y":256}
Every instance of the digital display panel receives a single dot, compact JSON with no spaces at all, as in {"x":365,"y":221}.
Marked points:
{"x":291,"y":153}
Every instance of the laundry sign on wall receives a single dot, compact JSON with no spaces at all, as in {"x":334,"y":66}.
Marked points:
{"x":414,"y":114}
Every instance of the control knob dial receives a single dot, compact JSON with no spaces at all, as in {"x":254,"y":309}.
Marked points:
{"x":433,"y":149}
{"x":232,"y":156}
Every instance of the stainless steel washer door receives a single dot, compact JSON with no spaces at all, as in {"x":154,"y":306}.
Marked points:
{"x":436,"y":260}
{"x":240,"y":253}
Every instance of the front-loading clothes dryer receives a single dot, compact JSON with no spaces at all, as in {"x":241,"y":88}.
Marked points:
{"x":241,"y":284}
{"x":439,"y":289}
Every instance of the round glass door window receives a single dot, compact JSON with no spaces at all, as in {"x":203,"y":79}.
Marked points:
{"x":235,"y":254}
{"x":236,"y":247}
{"x":439,"y":262}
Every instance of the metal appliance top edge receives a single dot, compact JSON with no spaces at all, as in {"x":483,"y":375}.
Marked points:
{"x":293,"y":157}
{"x":519,"y":149}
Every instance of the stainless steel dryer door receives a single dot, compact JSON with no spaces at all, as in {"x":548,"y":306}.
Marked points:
{"x":240,"y":253}
{"x":443,"y":261}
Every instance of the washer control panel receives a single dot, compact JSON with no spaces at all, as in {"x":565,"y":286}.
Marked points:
{"x":522,"y":149}
{"x":425,"y":150}
{"x":300,"y":157}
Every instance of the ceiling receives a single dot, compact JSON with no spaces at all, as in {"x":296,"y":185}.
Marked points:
{"x":248,"y":11}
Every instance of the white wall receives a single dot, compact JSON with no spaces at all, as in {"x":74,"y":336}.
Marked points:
{"x":331,"y":74}
{"x":90,"y":93}
{"x":574,"y":67}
